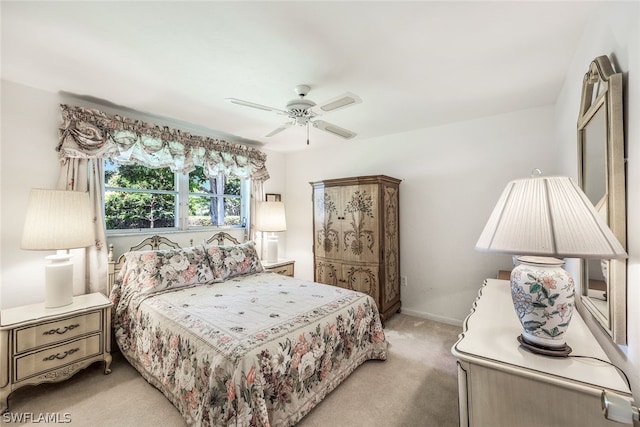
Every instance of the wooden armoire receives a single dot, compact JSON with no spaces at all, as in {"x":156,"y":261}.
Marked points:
{"x":356,"y":237}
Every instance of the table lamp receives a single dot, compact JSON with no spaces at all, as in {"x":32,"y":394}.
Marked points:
{"x":58,"y":220}
{"x":270,"y":217}
{"x":543,"y":219}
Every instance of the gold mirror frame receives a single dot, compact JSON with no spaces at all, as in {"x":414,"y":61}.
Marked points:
{"x":601,"y":160}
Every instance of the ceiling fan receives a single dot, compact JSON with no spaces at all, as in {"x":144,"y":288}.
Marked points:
{"x":303,"y":112}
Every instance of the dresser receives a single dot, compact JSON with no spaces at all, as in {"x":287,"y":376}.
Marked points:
{"x":502,"y":384}
{"x":356,"y":235}
{"x":282,"y":266}
{"x":39,"y":344}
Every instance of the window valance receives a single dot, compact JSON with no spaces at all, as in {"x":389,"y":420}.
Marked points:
{"x":90,"y":133}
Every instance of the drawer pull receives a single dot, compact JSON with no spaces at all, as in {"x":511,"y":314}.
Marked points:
{"x":61,"y":331}
{"x":60,"y":357}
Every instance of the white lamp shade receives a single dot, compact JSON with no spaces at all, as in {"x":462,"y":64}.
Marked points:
{"x":548,"y":216}
{"x":58,"y":219}
{"x":270,"y":217}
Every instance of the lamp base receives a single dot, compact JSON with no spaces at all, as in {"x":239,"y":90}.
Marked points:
{"x":563,"y":351}
{"x":272,"y":249}
{"x":58,"y":281}
{"x":543,"y":297}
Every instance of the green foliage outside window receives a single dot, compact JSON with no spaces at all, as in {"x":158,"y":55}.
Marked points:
{"x":213,"y":201}
{"x":132,"y":209}
{"x":138,"y":197}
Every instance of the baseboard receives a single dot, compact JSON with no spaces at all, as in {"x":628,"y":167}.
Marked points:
{"x":430,"y":316}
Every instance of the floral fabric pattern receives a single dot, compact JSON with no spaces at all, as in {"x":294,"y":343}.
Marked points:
{"x":233,"y":260}
{"x":256,"y":350}
{"x":90,"y":133}
{"x":155,"y":271}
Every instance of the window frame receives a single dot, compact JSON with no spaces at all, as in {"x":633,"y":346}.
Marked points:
{"x":181,"y":213}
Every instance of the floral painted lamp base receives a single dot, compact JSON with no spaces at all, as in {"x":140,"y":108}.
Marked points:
{"x":543,"y":296}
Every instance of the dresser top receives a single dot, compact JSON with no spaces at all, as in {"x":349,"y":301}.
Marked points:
{"x":11,"y":317}
{"x":490,"y":339}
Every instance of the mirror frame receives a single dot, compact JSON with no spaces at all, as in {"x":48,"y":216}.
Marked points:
{"x":602,"y":89}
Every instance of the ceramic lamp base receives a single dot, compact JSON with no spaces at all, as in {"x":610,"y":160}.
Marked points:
{"x":543,"y":296}
{"x":272,"y":249}
{"x":58,"y":281}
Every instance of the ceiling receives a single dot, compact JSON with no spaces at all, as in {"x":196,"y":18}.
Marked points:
{"x":413,"y":64}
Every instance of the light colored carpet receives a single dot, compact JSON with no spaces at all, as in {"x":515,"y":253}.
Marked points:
{"x":415,"y":386}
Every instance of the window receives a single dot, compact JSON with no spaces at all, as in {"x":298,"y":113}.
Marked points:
{"x":214,"y":201}
{"x":138,"y":198}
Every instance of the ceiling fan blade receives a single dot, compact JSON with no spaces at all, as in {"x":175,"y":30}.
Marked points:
{"x":343,"y":101}
{"x":254,"y":105}
{"x":333,"y":129}
{"x":280,"y":129}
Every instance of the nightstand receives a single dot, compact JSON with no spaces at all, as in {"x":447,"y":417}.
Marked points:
{"x":39,"y":344}
{"x":282,"y":266}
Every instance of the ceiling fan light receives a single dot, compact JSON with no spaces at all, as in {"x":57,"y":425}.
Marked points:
{"x":301,"y":112}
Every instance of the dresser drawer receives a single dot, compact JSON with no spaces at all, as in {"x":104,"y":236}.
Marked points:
{"x":32,"y":337}
{"x":54,"y":357}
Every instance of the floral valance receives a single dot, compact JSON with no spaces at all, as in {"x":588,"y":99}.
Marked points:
{"x":90,"y":133}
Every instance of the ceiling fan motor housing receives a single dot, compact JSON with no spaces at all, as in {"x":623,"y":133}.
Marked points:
{"x":300,"y":107}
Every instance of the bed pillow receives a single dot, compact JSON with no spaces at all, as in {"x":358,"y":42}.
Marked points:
{"x":228,"y":261}
{"x":160,"y":270}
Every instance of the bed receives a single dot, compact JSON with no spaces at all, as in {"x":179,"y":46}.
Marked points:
{"x":230,"y":344}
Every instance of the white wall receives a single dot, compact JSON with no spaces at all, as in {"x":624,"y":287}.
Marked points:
{"x":452,"y":177}
{"x":30,"y":120}
{"x":613,"y":32}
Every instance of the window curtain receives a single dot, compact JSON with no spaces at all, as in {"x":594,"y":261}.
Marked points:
{"x":257,"y":195}
{"x":88,"y":136}
{"x":90,"y":264}
{"x":88,"y":133}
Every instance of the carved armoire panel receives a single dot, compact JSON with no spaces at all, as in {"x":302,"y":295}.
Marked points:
{"x":356,"y":237}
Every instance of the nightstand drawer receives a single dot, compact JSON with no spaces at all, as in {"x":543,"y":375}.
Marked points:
{"x":54,"y":357}
{"x":50,"y":333}
{"x":285,"y":270}
{"x":282,"y":266}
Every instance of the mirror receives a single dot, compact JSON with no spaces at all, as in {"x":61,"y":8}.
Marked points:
{"x":602,"y":177}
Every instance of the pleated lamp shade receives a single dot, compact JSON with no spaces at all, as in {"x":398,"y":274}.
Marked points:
{"x":548,"y":216}
{"x":58,"y":219}
{"x":270,"y":217}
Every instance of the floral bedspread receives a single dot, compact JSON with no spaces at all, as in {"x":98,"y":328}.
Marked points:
{"x":256,"y":350}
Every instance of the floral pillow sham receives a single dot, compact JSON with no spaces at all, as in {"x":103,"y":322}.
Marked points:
{"x":160,"y":270}
{"x":233,"y":260}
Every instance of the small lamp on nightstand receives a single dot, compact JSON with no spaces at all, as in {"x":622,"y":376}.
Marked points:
{"x":270,"y":218}
{"x":545,"y":218}
{"x":58,"y":220}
